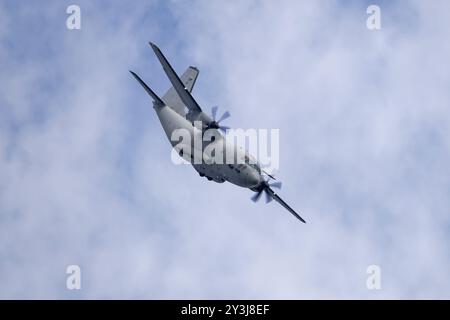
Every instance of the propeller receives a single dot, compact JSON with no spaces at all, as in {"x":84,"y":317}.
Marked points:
{"x":215,"y":124}
{"x":263,"y":188}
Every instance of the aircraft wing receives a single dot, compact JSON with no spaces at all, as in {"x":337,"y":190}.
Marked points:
{"x":155,"y":97}
{"x":284,"y":204}
{"x":172,"y":99}
{"x":177,"y":84}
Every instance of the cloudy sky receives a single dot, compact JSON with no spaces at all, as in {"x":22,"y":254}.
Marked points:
{"x":86,"y":176}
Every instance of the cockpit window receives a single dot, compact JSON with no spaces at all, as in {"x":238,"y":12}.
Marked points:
{"x":256,"y":167}
{"x":252,"y":163}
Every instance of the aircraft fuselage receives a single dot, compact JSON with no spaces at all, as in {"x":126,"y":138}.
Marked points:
{"x":239,"y":173}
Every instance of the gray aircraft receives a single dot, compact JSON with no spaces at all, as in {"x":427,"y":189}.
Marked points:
{"x":244,"y":171}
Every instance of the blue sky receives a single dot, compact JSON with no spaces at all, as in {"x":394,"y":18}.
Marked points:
{"x":86,"y":176}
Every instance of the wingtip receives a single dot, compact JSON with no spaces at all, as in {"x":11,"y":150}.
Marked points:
{"x":300,"y":218}
{"x":154,"y":46}
{"x":135,"y":75}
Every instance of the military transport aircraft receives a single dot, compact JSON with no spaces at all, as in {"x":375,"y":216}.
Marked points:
{"x":171,"y":109}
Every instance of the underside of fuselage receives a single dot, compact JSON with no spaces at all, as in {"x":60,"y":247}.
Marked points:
{"x":236,"y":171}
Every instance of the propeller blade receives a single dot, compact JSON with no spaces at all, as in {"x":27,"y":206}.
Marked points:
{"x":268,"y":196}
{"x":276,"y":184}
{"x":256,"y":196}
{"x":224,"y":129}
{"x":224,"y":116}
{"x":214,"y":112}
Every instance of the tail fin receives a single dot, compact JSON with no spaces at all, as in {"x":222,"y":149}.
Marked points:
{"x":172,"y":99}
{"x":157,"y":100}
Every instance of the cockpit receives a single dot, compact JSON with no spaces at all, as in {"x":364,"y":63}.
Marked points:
{"x":252,"y":162}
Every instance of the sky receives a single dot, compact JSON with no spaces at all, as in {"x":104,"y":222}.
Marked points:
{"x":86,"y":176}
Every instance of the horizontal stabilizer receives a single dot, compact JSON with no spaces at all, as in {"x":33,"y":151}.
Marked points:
{"x":155,"y":98}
